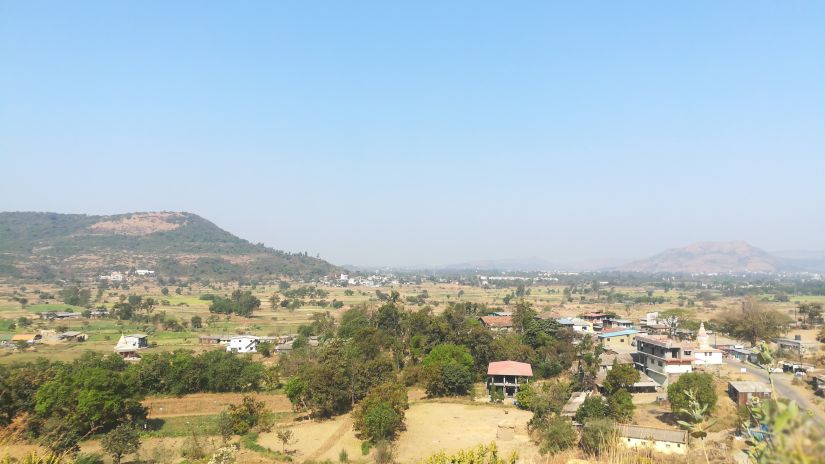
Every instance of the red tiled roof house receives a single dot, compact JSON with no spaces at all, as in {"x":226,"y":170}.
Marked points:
{"x":507,"y":376}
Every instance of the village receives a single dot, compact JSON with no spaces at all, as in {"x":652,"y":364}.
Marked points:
{"x":652,"y":343}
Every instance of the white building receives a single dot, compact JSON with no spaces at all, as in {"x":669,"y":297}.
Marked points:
{"x":113,"y":276}
{"x":704,"y":354}
{"x":665,"y":441}
{"x":144,"y":272}
{"x":243,"y":344}
{"x":577,"y":324}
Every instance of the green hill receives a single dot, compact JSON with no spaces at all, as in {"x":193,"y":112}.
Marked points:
{"x":174,"y":244}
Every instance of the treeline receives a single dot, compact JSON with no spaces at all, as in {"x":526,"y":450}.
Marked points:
{"x":58,"y":404}
{"x":445,"y":353}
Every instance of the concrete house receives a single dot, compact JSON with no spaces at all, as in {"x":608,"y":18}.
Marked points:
{"x":742,"y":392}
{"x":663,"y":358}
{"x":576,"y":324}
{"x":243,"y":344}
{"x":618,"y":337}
{"x":665,"y":441}
{"x":507,"y":376}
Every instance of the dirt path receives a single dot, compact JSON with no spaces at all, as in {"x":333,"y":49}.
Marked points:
{"x":333,"y":439}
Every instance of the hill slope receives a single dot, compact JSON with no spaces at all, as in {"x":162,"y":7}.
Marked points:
{"x":709,"y":257}
{"x":175,"y":244}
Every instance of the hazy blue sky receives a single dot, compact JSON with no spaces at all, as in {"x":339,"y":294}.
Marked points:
{"x":425,"y":132}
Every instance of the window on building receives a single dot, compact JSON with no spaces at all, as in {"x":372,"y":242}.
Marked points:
{"x":687,"y":353}
{"x":660,"y":363}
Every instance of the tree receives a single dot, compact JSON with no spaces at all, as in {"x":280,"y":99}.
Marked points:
{"x":593,"y":407}
{"x":197,"y":322}
{"x":122,"y":440}
{"x":698,"y":384}
{"x":620,"y":377}
{"x":620,"y":406}
{"x":523,"y":315}
{"x":164,"y":291}
{"x":675,"y":318}
{"x":447,"y":370}
{"x":754,"y":322}
{"x":811,"y":310}
{"x":380,"y":415}
{"x":286,"y":437}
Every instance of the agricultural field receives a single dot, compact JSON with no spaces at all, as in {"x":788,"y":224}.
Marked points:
{"x":104,"y":333}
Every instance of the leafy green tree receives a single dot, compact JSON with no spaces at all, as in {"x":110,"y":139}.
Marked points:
{"x":380,"y":415}
{"x":620,"y":406}
{"x":593,"y":407}
{"x":447,"y":370}
{"x":620,"y":377}
{"x":523,"y":315}
{"x":699,"y":384}
{"x":122,"y":440}
{"x":197,"y":322}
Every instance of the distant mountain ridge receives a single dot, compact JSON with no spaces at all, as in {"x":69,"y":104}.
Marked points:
{"x":722,"y":257}
{"x":176,"y":244}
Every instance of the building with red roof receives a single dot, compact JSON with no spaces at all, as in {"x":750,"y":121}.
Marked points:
{"x":508,"y":376}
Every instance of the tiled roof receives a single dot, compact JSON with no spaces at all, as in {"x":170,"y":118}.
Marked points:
{"x":510,"y":368}
{"x":497,"y":321}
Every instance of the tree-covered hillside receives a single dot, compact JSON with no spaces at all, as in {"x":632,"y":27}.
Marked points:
{"x":51,"y":245}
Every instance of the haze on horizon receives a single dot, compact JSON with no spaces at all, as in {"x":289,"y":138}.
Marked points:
{"x":425,"y":133}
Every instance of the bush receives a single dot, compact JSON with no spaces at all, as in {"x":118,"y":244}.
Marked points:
{"x":557,"y":435}
{"x":598,"y":435}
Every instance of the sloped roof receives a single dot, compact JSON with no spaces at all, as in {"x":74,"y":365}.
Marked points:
{"x":510,"y":368}
{"x":497,"y":321}
{"x":22,"y":337}
{"x":647,"y":433}
{"x":618,"y":333}
{"x":573,"y":321}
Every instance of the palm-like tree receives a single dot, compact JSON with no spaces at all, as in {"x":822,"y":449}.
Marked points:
{"x":696,"y":425}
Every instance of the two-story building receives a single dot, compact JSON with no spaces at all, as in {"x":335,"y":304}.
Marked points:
{"x":243,"y":344}
{"x":508,"y":376}
{"x":663,"y":358}
{"x":618,"y":337}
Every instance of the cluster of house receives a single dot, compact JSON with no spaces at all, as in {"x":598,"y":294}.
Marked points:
{"x":659,"y":357}
{"x":508,"y":376}
{"x":117,"y":276}
{"x":374,"y":280}
{"x":249,"y":343}
{"x":44,"y":336}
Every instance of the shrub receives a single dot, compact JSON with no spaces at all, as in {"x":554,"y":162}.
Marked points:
{"x":598,"y":435}
{"x":557,"y":435}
